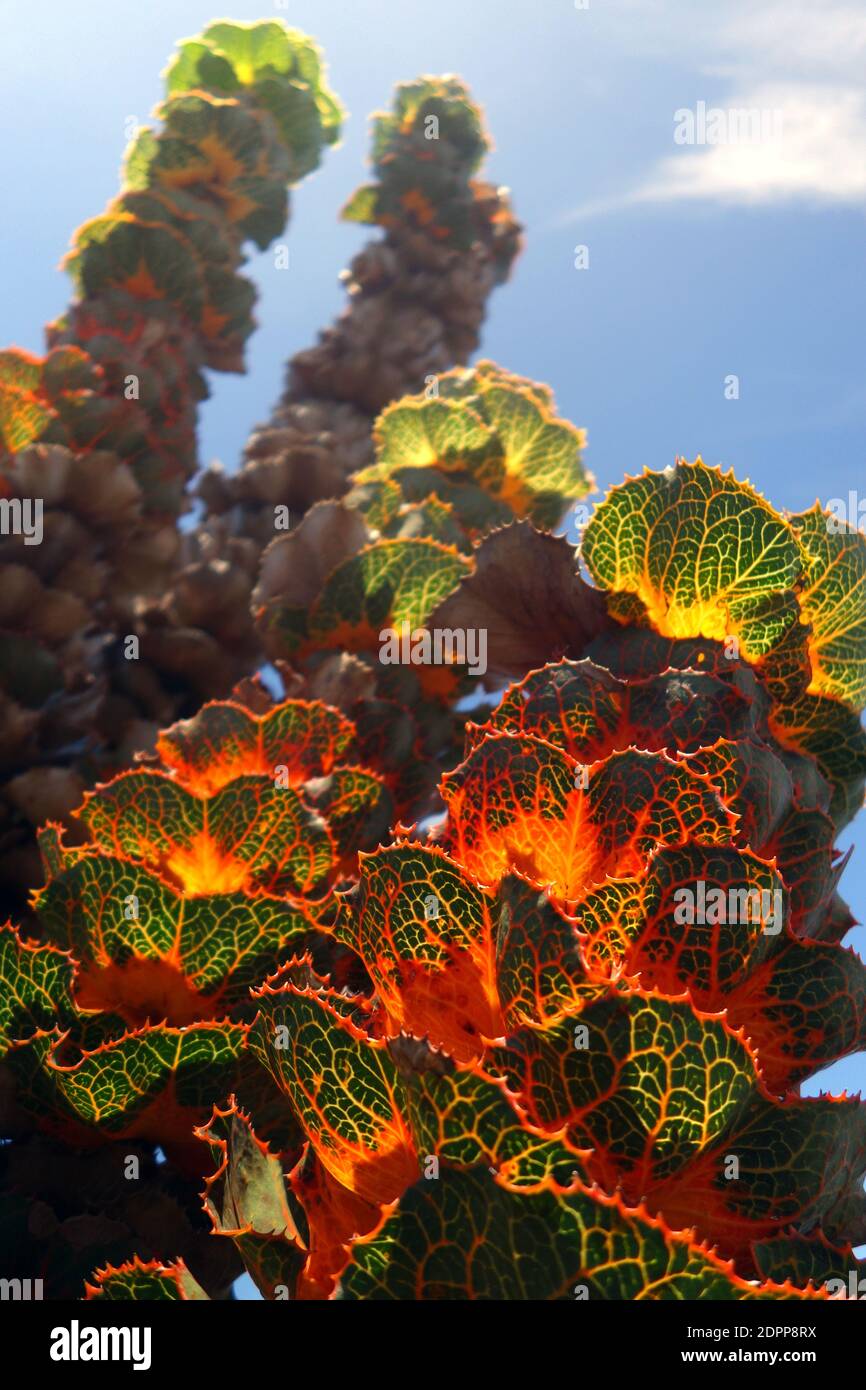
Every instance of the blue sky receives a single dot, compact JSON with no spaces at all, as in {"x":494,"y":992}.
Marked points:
{"x":706,"y":261}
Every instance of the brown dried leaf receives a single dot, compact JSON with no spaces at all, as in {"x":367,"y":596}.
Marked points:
{"x":527,"y":594}
{"x":295,"y":566}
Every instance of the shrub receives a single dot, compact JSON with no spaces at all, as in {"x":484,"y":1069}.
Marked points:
{"x":508,"y":997}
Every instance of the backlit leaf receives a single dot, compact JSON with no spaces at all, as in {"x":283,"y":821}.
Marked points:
{"x":469,"y":1237}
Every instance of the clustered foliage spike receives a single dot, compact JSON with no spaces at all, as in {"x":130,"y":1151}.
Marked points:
{"x":416,"y":298}
{"x":103,"y":428}
{"x":502,"y":1056}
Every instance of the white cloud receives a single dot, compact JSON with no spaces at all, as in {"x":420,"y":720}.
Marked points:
{"x":819,"y":153}
{"x":800,"y":58}
{"x":802,"y":38}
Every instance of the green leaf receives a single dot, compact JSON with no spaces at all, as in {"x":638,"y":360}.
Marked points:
{"x":423,"y":929}
{"x":36,"y":986}
{"x":266,"y":55}
{"x":802,"y":1010}
{"x":150,"y":952}
{"x":708,"y":916}
{"x":263,"y":46}
{"x":804,"y":1259}
{"x":464,"y":1119}
{"x":343,"y":1087}
{"x":358,"y":809}
{"x":466,"y":1236}
{"x":248,"y":1202}
{"x":196,"y":65}
{"x":696,"y":554}
{"x":224,"y":740}
{"x":590,"y":713}
{"x":519,"y":802}
{"x":150,"y":261}
{"x":833,"y":736}
{"x":145,"y":1281}
{"x":363,"y":206}
{"x":251,"y":834}
{"x":424,"y":154}
{"x":800,"y":1166}
{"x":644,"y":1082}
{"x":23,"y":414}
{"x":155,"y":1084}
{"x":831,"y":602}
{"x":387,"y":584}
{"x":431,"y":517}
{"x":493,"y":431}
{"x":540,"y":972}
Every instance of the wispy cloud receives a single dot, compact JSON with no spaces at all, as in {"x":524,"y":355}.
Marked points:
{"x":801,"y":61}
{"x":818,"y":153}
